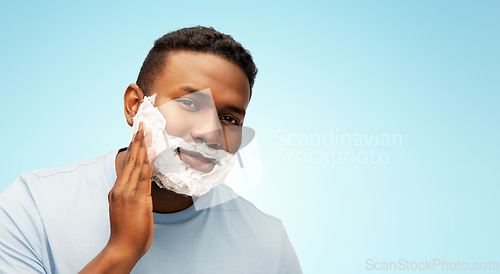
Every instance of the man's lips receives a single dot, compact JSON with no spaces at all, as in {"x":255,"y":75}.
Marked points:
{"x":196,"y":160}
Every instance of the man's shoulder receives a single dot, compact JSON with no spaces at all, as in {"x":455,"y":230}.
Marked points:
{"x":62,"y":179}
{"x":249,"y":207}
{"x":262,"y":236}
{"x":65,"y":169}
{"x":243,"y":211}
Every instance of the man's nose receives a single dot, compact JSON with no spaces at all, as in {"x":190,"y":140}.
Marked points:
{"x":209,"y":130}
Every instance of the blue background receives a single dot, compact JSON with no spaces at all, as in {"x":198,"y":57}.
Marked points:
{"x":428,"y":70}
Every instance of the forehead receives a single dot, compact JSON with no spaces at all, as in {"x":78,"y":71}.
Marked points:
{"x":226,"y":80}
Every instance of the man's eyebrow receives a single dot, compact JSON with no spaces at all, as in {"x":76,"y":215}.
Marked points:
{"x":236,"y":109}
{"x":190,"y":90}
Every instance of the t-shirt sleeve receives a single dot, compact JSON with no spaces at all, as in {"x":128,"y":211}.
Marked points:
{"x":289,"y":262}
{"x":21,"y":231}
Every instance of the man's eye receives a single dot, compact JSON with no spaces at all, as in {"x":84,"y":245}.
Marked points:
{"x":187,"y":103}
{"x":230,"y":120}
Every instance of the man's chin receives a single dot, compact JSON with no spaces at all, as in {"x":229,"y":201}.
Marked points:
{"x":161,"y":182}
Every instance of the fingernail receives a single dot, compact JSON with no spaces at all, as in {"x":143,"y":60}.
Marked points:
{"x":140,"y":125}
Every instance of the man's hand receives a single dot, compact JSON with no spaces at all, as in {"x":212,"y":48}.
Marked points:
{"x":130,"y":211}
{"x":130,"y":203}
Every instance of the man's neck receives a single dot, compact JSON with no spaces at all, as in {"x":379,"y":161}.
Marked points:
{"x":164,"y":201}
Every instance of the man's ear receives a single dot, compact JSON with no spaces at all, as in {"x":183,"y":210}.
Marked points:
{"x":132,"y":100}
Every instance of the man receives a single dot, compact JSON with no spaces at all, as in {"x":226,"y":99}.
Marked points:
{"x":106,"y":214}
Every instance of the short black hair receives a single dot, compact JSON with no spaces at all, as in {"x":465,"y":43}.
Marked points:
{"x":197,"y":39}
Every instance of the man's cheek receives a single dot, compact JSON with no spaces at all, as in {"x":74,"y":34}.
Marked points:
{"x":175,"y":128}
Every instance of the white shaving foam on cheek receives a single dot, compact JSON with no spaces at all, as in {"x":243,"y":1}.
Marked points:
{"x":153,"y":119}
{"x":169,"y":171}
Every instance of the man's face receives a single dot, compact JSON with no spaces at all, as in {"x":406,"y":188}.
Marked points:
{"x":183,"y":97}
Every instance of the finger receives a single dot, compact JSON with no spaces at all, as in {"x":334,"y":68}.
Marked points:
{"x":137,"y":166}
{"x":127,"y":154}
{"x":131,"y":157}
{"x":122,"y":179}
{"x":144,"y":186}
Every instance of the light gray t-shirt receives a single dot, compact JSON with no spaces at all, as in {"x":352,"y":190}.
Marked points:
{"x":57,"y":220}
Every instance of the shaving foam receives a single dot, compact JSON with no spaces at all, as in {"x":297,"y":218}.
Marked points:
{"x":169,"y":171}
